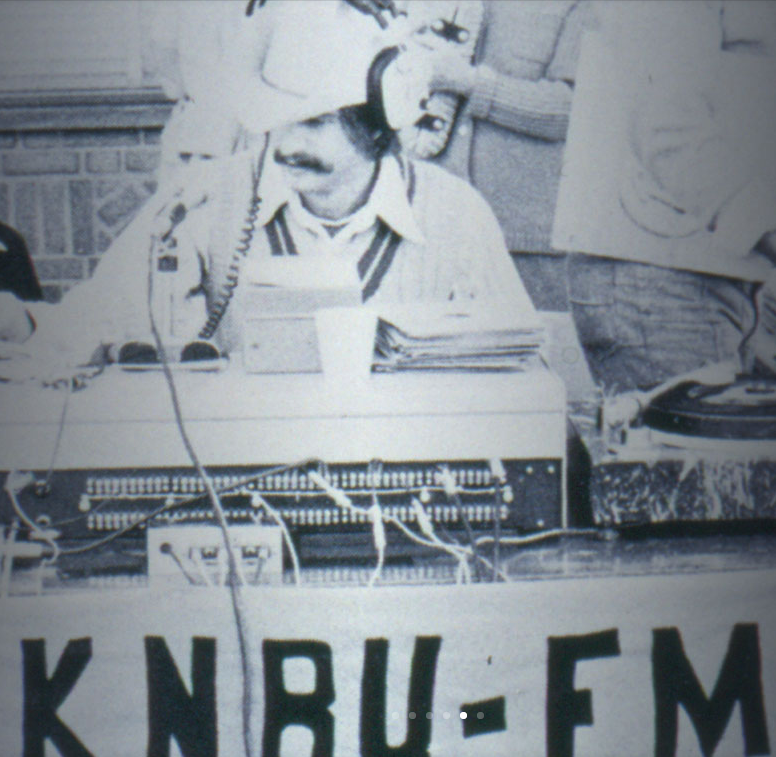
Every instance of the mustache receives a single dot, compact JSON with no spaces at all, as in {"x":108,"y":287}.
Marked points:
{"x":302,"y":160}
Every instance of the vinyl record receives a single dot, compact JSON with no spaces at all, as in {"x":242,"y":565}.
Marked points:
{"x":743,"y":409}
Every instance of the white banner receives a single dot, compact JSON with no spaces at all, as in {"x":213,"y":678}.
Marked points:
{"x":605,"y":667}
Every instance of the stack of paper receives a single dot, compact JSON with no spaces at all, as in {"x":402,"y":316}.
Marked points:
{"x":444,"y":338}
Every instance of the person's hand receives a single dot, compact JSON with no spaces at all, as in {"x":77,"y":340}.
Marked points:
{"x":450,"y":64}
{"x":376,"y":9}
{"x":452,"y":73}
{"x":47,"y":368}
{"x":15,"y":323}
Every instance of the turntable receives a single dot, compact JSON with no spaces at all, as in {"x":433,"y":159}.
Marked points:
{"x":744,"y":410}
{"x":697,"y":452}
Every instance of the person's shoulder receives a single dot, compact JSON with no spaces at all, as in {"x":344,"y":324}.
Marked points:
{"x":437,"y":189}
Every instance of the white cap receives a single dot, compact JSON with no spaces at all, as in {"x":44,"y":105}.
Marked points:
{"x":316,"y":62}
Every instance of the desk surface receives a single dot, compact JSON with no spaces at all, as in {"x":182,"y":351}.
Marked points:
{"x":117,"y":395}
{"x":126,"y":419}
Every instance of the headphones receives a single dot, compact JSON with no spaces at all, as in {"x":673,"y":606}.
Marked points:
{"x":374,"y":83}
{"x":370,"y":118}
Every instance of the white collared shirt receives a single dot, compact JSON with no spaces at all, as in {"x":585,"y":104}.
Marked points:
{"x":447,"y":243}
{"x":388,"y":201}
{"x":444,"y":240}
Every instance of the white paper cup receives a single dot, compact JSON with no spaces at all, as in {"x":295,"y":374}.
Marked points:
{"x":346,"y":338}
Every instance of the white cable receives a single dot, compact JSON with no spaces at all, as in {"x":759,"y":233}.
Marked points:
{"x":168,"y":549}
{"x":7,"y":560}
{"x":458,"y":547}
{"x":378,"y":535}
{"x":489,"y":565}
{"x":374,"y":512}
{"x":60,"y":431}
{"x":452,"y":492}
{"x":250,"y":740}
{"x":222,"y":562}
{"x":256,"y":497}
{"x":427,"y":527}
{"x":14,"y":483}
{"x":540,"y":536}
{"x":342,"y":500}
{"x":499,"y":474}
{"x":201,"y":569}
{"x":240,"y":572}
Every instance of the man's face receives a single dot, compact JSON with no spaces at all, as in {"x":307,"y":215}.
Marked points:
{"x":318,"y":155}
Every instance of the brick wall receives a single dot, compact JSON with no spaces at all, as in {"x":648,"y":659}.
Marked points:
{"x":70,"y":192}
{"x":73,"y":176}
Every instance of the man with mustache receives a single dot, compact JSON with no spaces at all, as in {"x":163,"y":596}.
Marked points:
{"x":329,"y":185}
{"x":188,"y":43}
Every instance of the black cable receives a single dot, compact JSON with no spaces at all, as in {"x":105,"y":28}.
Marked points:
{"x":174,"y":505}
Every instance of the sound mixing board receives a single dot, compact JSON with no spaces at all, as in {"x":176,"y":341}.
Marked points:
{"x":472,"y":449}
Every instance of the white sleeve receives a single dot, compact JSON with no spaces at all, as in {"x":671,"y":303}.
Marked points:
{"x":538,"y":108}
{"x":113,"y":306}
{"x":487,"y":271}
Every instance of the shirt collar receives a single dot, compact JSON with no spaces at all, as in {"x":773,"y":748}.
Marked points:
{"x":389,"y":200}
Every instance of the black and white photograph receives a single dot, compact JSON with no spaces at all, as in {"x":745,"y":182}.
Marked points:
{"x":387,"y":377}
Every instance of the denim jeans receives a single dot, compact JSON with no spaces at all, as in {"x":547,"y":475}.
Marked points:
{"x":640,"y":324}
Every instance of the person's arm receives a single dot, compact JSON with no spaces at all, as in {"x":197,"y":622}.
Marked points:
{"x":538,"y":108}
{"x":16,"y":325}
{"x":112,"y":307}
{"x":374,"y":8}
{"x":502,"y":282}
{"x":486,"y":272}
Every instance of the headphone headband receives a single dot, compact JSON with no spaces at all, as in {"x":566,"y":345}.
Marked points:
{"x":374,"y":81}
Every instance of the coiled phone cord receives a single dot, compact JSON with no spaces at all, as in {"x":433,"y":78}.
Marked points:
{"x":224,"y":297}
